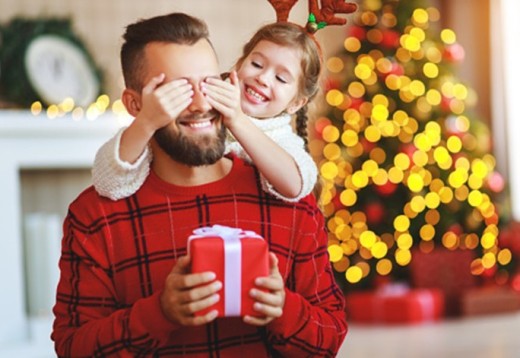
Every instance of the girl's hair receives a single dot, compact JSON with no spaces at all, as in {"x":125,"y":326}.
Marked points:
{"x":294,"y":36}
{"x":175,"y":28}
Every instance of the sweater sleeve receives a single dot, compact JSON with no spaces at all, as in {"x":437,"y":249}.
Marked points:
{"x":90,"y":321}
{"x":295,"y":147}
{"x":114,"y":178}
{"x":313,"y":323}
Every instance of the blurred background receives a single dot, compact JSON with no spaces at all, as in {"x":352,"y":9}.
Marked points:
{"x":412,"y":133}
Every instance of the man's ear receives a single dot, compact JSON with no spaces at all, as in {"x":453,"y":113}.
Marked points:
{"x":296,"y":105}
{"x":132,"y":101}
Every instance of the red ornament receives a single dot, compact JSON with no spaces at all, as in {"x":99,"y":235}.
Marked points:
{"x":390,"y":39}
{"x":397,"y":69}
{"x":495,"y":182}
{"x":330,"y":84}
{"x":320,"y":124}
{"x":456,"y":229}
{"x":386,"y":189}
{"x":509,"y":237}
{"x":355,"y":103}
{"x":367,"y":145}
{"x":408,"y":149}
{"x":454,"y":53}
{"x":375,"y":212}
{"x":357,"y":32}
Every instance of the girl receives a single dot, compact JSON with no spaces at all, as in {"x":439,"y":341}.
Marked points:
{"x":275,"y":77}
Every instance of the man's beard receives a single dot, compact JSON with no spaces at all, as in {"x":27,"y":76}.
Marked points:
{"x":202,"y":150}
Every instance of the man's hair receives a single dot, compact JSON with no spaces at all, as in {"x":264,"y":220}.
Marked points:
{"x":175,"y":28}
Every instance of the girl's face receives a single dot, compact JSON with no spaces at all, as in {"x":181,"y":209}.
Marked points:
{"x":269,"y":78}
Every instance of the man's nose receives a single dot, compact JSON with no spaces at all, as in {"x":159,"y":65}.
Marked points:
{"x":199,"y":102}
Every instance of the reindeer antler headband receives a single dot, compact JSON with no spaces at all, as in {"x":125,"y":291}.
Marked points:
{"x":318,"y":17}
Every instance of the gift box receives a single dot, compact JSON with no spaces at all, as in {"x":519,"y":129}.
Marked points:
{"x":237,"y":257}
{"x":446,"y":270}
{"x":395,"y":306}
{"x":490,"y":299}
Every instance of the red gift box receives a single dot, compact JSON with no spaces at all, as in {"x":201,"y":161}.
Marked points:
{"x":237,"y":257}
{"x":447,"y":270}
{"x":395,"y":305}
{"x":490,"y":299}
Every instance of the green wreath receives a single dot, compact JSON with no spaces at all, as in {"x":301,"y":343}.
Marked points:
{"x":15,"y":38}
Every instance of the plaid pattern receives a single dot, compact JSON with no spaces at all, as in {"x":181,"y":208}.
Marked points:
{"x":117,"y":254}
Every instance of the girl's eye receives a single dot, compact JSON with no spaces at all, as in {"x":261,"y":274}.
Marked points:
{"x":256,"y":64}
{"x":281,"y":79}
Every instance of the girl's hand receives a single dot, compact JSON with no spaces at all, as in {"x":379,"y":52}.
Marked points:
{"x":269,"y":303}
{"x":224,"y":97}
{"x":164,"y":102}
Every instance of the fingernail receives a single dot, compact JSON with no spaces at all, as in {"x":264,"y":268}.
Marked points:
{"x":217,"y":285}
{"x":215,"y":298}
{"x":259,"y":281}
{"x":210,"y":276}
{"x":253,"y":292}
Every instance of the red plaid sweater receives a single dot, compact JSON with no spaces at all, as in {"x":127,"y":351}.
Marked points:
{"x":117,"y":254}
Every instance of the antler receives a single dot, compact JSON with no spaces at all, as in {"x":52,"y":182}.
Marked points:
{"x":282,"y":8}
{"x":329,"y":8}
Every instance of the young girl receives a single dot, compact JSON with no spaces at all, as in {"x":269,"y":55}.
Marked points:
{"x":275,"y":78}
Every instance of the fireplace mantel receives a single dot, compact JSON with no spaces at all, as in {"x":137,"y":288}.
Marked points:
{"x":35,"y":142}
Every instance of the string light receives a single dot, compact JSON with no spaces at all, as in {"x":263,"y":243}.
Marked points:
{"x":399,"y":131}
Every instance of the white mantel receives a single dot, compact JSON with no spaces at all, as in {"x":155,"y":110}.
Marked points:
{"x":35,"y":142}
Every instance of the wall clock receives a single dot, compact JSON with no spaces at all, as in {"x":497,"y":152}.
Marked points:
{"x":43,"y":60}
{"x":57,"y":69}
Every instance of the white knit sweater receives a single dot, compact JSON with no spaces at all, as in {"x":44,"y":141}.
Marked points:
{"x":117,"y":179}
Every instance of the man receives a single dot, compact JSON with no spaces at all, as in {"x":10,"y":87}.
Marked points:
{"x":125,"y":287}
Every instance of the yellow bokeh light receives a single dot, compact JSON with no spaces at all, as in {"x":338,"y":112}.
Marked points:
{"x":362,"y":71}
{"x":335,"y":64}
{"x":330,"y":133}
{"x":329,"y":170}
{"x":334,"y":97}
{"x":356,"y":89}
{"x":488,"y":240}
{"x":404,"y":241}
{"x":448,"y":36}
{"x":403,"y":257}
{"x":349,"y":138}
{"x":427,"y":232}
{"x":372,"y":133}
{"x":368,"y":239}
{"x":430,"y":70}
{"x":335,"y":253}
{"x":418,"y":204}
{"x":402,"y":161}
{"x":401,"y":223}
{"x":379,"y":250}
{"x":348,"y":197}
{"x":420,"y":16}
{"x":332,"y":151}
{"x":380,"y":112}
{"x":36,"y":108}
{"x":360,"y":179}
{"x":353,"y":274}
{"x":475,"y":198}
{"x":395,"y":175}
{"x":504,"y":257}
{"x":384,"y":267}
{"x":393,"y":82}
{"x":352,"y":44}
{"x":415,"y":183}
{"x":432,"y":200}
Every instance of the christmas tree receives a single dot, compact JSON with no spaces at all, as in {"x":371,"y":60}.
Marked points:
{"x":405,"y":164}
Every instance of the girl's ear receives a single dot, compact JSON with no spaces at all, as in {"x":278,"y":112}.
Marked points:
{"x":296,"y":105}
{"x":132,"y":101}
